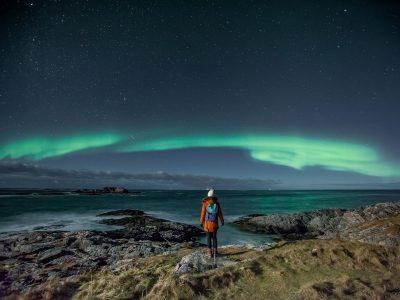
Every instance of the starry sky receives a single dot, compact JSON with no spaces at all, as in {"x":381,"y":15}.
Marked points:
{"x":235,"y":94}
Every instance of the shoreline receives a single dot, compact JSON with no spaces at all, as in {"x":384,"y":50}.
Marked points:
{"x":30,"y":262}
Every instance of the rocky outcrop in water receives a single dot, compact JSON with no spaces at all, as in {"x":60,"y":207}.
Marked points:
{"x":104,"y":190}
{"x":28,"y":260}
{"x":360,"y":224}
{"x":140,"y":226}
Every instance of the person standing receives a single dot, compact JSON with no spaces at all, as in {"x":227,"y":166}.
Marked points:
{"x":210,"y":213}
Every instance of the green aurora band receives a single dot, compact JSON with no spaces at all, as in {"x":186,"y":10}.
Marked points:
{"x":40,"y":147}
{"x":291,"y":151}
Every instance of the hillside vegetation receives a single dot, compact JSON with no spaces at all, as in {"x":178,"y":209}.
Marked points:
{"x":307,"y":269}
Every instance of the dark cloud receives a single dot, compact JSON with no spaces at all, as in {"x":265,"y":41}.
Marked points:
{"x":19,"y":174}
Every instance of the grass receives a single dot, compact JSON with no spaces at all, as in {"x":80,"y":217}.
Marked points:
{"x":391,"y":225}
{"x":133,"y":281}
{"x":308,"y":269}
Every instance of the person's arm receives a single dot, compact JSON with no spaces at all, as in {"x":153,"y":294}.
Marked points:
{"x":203,"y":213}
{"x":220,"y":214}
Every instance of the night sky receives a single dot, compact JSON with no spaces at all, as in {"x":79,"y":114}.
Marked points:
{"x":235,"y":94}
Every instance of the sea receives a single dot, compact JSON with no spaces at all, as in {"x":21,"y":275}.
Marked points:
{"x":30,"y":210}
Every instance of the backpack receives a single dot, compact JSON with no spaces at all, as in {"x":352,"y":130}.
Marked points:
{"x":212,"y":212}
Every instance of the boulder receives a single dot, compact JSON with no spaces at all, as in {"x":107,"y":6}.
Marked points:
{"x":198,"y":261}
{"x":193,"y":262}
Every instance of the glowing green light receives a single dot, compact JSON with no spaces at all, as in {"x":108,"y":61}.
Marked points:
{"x":290,"y":151}
{"x":39,"y":148}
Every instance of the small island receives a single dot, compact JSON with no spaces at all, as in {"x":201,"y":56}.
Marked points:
{"x":104,"y":190}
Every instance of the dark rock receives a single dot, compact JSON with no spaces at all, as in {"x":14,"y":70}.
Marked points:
{"x":105,"y":190}
{"x":51,"y":254}
{"x":305,"y":224}
{"x":31,"y":248}
{"x":115,"y":190}
{"x":329,"y":223}
{"x":69,"y":240}
{"x":144,"y":227}
{"x":88,"y":191}
{"x":30,"y":259}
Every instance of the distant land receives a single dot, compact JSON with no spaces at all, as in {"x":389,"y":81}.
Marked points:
{"x":104,"y":190}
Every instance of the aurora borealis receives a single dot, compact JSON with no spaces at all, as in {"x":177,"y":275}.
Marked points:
{"x":39,"y":148}
{"x":294,"y":152}
{"x":299,"y":95}
{"x":290,"y":151}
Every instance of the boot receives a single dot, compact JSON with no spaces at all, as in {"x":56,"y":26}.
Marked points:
{"x":211,"y":253}
{"x":215,"y":252}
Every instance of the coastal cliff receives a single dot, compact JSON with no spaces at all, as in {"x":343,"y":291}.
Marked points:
{"x":329,"y":254}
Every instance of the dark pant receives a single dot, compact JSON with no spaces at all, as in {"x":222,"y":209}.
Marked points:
{"x":212,"y":240}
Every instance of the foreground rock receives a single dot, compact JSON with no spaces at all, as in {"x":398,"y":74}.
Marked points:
{"x":199,"y":261}
{"x":362,"y":224}
{"x":28,"y":260}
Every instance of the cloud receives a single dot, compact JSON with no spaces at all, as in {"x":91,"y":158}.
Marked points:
{"x":18,"y":174}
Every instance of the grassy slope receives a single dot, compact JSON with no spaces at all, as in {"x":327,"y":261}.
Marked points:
{"x":304,"y":269}
{"x":391,"y":225}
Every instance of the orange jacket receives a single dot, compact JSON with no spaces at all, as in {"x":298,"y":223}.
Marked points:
{"x":210,"y":226}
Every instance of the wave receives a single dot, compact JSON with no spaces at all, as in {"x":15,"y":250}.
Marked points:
{"x":50,"y":221}
{"x":172,"y":216}
{"x":9,"y":196}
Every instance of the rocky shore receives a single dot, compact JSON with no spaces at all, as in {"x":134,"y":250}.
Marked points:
{"x":362,"y":224}
{"x":325,"y":254}
{"x":30,"y":259}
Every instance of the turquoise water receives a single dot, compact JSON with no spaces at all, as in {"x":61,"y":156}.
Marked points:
{"x":76,"y":212}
